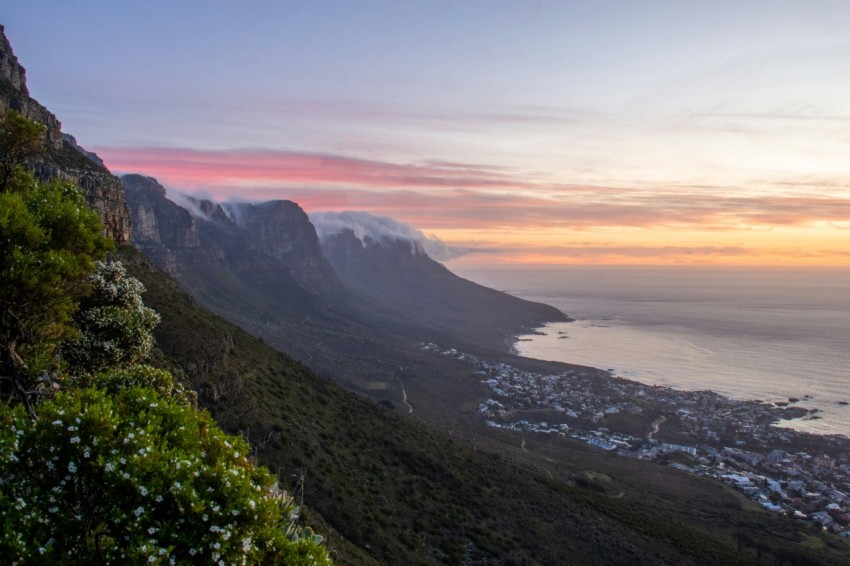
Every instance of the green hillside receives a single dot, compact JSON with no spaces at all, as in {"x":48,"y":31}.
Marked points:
{"x":387,"y":489}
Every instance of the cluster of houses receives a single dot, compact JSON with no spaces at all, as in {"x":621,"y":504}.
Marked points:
{"x":798,"y":474}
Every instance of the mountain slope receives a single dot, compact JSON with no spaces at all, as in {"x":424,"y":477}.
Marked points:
{"x":401,"y":276}
{"x":405,"y":494}
{"x":261,"y":267}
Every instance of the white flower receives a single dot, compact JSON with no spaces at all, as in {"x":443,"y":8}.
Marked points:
{"x":71,"y":468}
{"x":139,"y":510}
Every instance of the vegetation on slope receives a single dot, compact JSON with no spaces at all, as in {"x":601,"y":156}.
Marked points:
{"x":103,"y":460}
{"x":402,"y":493}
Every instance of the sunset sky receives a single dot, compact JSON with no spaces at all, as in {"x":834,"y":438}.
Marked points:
{"x":620,"y":132}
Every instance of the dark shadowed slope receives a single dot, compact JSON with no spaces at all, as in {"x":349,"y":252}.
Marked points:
{"x":405,"y":494}
{"x":400,"y":275}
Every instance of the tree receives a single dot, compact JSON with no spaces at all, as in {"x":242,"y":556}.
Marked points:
{"x":49,"y":239}
{"x":114,"y":324}
{"x":20,"y":141}
{"x":137,"y":477}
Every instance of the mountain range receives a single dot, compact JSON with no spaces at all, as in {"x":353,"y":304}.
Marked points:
{"x":336,"y":302}
{"x":312,"y":349}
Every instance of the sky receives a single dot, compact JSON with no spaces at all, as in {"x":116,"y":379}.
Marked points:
{"x":517,"y":132}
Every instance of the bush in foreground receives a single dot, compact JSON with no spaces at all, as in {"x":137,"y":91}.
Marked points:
{"x":137,"y":477}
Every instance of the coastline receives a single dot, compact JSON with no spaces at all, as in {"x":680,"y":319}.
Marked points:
{"x":696,"y":367}
{"x":796,"y":473}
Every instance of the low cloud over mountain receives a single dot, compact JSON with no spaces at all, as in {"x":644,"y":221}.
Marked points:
{"x":383,"y":229}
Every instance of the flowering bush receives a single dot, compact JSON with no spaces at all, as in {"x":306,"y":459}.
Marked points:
{"x":135,"y":477}
{"x":115,"y":326}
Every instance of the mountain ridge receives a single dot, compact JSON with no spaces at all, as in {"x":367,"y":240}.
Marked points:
{"x":63,"y":158}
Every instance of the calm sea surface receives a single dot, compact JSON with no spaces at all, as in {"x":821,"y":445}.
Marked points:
{"x":765,"y":334}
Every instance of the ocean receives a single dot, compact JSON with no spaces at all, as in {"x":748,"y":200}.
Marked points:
{"x":768,"y":334}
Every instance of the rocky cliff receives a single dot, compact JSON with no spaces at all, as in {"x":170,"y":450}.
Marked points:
{"x":269,"y":249}
{"x":64,"y":159}
{"x":281,"y":230}
{"x":161,"y":229}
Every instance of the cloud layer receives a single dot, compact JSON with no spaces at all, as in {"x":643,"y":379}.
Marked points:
{"x":382,"y":229}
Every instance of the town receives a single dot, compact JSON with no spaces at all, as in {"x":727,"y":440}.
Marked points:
{"x":798,"y":474}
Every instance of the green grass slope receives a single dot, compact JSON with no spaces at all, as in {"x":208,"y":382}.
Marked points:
{"x":387,"y":489}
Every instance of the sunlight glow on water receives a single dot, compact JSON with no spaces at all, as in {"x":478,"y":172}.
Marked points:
{"x":746,"y":333}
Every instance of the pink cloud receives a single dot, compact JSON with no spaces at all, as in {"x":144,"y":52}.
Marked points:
{"x":439,"y":194}
{"x":191,"y":169}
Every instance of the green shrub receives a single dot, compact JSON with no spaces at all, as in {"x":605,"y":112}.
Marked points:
{"x":137,"y":477}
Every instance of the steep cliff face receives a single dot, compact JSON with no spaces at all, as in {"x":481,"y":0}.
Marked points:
{"x":64,"y":158}
{"x":281,"y":230}
{"x":270,"y":251}
{"x":161,"y":229}
{"x":14,"y":94}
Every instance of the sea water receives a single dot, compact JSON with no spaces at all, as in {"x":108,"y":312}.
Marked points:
{"x":769,"y":334}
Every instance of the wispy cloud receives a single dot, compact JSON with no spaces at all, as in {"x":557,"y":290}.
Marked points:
{"x":195,"y":168}
{"x":439,"y":194}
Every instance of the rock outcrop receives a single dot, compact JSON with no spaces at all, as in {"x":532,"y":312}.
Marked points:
{"x":161,"y":229}
{"x":64,"y":159}
{"x":270,"y":248}
{"x":281,"y":230}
